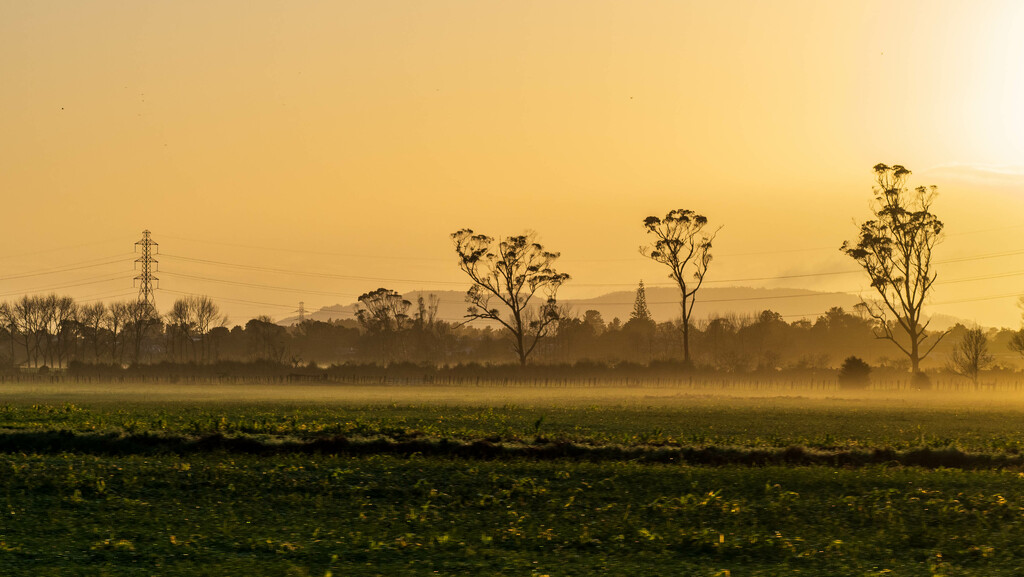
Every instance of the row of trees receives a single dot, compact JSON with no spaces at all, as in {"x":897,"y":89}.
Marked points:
{"x":894,"y":249}
{"x":54,"y":331}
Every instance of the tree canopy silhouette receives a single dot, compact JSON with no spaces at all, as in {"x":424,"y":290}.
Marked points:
{"x":511,"y":272}
{"x":684,"y":247}
{"x":640,"y":310}
{"x":895,"y":249}
{"x":383,"y":310}
{"x":384,"y":315}
{"x":970,"y":355}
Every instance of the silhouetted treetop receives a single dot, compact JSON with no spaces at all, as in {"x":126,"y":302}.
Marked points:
{"x":681,"y":244}
{"x":895,"y":249}
{"x":383,"y":310}
{"x":512,"y":271}
{"x":640,"y":310}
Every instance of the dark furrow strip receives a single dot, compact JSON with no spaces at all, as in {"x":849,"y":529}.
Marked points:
{"x":117,"y":444}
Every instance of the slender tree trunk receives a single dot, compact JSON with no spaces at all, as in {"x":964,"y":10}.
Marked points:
{"x":521,"y":348}
{"x":520,"y":345}
{"x":686,"y":343}
{"x":686,"y":331}
{"x":915,"y":361}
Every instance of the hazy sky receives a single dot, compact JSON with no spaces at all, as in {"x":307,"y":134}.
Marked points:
{"x":349,"y":139}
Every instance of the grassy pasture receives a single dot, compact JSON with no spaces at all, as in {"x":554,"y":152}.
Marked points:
{"x":596,"y":416}
{"x":226,"y":513}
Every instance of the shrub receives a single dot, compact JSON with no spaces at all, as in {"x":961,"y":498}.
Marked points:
{"x":854,"y":374}
{"x":920,"y":381}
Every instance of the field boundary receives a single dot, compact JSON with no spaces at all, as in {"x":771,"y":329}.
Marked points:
{"x":120,"y":444}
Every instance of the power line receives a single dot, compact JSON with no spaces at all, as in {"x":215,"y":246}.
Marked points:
{"x":106,"y":261}
{"x":343,"y":295}
{"x":108,"y":278}
{"x":255,"y":285}
{"x":316,"y":252}
{"x":436,"y":259}
{"x":58,"y":249}
{"x":978,"y":299}
{"x":984,"y":230}
{"x":442,"y":282}
{"x":307,"y":273}
{"x":104,"y":294}
{"x":184,"y":293}
{"x":981,"y":257}
{"x":108,"y":296}
{"x":743,"y":299}
{"x":987,"y":277}
{"x":463,"y":283}
{"x":340,"y":311}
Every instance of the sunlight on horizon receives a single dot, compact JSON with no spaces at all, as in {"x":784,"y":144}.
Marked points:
{"x":351,"y":139}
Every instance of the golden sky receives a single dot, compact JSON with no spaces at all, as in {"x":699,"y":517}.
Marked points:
{"x":348,"y":139}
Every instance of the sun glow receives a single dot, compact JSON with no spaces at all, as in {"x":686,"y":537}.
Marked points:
{"x":371,"y":130}
{"x":1003,"y":83}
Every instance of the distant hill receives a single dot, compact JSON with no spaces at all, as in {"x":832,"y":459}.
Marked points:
{"x":663,"y":303}
{"x":452,"y":307}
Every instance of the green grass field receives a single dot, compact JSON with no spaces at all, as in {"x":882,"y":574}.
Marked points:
{"x":196,"y":509}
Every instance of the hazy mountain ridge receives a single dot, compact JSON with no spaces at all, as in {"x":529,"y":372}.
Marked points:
{"x":663,"y":302}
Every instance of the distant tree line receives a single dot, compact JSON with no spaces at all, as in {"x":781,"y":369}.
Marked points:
{"x":54,"y":332}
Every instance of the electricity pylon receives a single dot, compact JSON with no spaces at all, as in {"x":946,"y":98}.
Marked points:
{"x":149,"y":265}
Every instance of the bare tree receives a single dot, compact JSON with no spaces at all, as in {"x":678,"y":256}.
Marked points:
{"x":142,"y":321}
{"x":430,"y":336}
{"x":895,"y":249}
{"x":90,"y":319}
{"x":29,"y":317}
{"x":383,"y":310}
{"x":1017,"y":340}
{"x":684,"y":247}
{"x":114,"y":322}
{"x":45,"y":327}
{"x":970,"y":355}
{"x":189,"y":323}
{"x":267,"y":340}
{"x":384,"y":315}
{"x":10,"y":322}
{"x":179,"y":329}
{"x":513,"y":271}
{"x":426,"y":311}
{"x":62,"y":315}
{"x":207,"y":316}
